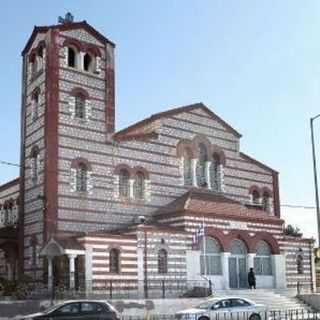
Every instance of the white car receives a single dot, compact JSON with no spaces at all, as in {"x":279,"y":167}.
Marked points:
{"x":225,"y":308}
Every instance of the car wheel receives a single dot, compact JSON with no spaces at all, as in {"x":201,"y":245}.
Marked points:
{"x":205,"y":318}
{"x":255,"y":316}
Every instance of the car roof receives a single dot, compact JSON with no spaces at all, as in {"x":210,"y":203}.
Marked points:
{"x":215,"y":299}
{"x":85,"y":300}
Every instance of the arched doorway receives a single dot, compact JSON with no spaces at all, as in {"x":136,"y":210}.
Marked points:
{"x":238,"y":265}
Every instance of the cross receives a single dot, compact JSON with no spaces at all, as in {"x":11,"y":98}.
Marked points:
{"x":67,"y":19}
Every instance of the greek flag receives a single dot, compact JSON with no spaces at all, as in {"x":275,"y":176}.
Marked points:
{"x":198,"y":235}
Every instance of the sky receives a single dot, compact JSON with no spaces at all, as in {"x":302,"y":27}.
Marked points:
{"x":254,"y":63}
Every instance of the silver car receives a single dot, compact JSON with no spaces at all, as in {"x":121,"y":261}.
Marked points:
{"x":224,"y":308}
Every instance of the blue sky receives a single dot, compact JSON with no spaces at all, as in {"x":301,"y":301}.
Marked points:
{"x":254,"y":63}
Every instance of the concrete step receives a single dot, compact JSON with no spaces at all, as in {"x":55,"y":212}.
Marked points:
{"x":280,"y":300}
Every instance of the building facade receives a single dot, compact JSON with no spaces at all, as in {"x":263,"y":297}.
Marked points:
{"x":171,"y":197}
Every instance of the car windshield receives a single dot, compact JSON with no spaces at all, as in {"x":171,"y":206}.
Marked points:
{"x":204,"y":305}
{"x":52,"y":308}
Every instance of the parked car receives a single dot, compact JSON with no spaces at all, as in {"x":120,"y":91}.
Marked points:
{"x":224,"y":308}
{"x":76,"y":310}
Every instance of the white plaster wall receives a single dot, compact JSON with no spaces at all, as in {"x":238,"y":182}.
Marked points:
{"x":193,"y":265}
{"x":265,"y":281}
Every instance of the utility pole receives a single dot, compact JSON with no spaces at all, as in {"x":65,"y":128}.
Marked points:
{"x":315,"y":175}
{"x":145,"y":264}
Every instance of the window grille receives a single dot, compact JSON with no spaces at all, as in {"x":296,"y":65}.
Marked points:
{"x":81,"y":178}
{"x":35,"y":167}
{"x":262,"y":261}
{"x":114,"y":261}
{"x":80,"y":107}
{"x":138,"y":186}
{"x":124,"y":183}
{"x":300,"y":264}
{"x":162,"y":261}
{"x":210,"y":257}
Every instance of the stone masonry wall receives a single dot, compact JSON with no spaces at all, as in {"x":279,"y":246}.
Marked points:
{"x":34,"y":136}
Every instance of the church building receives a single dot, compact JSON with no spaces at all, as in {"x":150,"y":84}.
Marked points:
{"x":169,"y":198}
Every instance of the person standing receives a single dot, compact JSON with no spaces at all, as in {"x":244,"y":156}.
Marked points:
{"x":251,"y":279}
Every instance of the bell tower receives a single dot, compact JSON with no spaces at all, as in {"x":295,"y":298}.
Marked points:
{"x":68,"y":104}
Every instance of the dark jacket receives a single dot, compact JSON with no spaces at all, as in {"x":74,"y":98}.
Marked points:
{"x":251,"y":277}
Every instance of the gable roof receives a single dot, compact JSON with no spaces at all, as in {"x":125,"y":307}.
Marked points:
{"x":9,"y":184}
{"x":63,"y":243}
{"x":257,"y":163}
{"x":140,"y":127}
{"x":63,"y":27}
{"x":201,"y":202}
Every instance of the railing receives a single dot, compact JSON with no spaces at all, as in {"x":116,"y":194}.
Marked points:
{"x":126,"y":289}
{"x":290,"y":314}
{"x":11,"y":310}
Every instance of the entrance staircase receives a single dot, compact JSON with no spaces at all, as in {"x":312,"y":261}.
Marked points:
{"x":274,"y":300}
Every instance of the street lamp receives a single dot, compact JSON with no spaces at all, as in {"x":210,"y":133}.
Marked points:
{"x":315,"y":174}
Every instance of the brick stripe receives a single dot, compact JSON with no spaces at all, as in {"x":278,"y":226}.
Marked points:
{"x":78,"y":84}
{"x":196,"y":133}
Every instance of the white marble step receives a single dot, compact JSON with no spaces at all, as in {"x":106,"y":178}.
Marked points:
{"x":274,"y":300}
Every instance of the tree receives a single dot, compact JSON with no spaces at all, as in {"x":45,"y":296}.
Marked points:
{"x":292,"y":231}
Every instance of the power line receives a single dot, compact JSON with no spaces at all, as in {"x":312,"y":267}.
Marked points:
{"x":67,"y":175}
{"x":10,"y":164}
{"x":297,"y":206}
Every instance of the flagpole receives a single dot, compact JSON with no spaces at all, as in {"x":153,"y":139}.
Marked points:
{"x":204,"y":248}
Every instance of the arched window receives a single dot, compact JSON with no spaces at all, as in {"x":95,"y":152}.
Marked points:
{"x":255,"y":197}
{"x":124,"y":183}
{"x":300,"y":263}
{"x":138,"y":186}
{"x":162,"y":261}
{"x":215,"y":173}
{"x":201,"y":167}
{"x":34,"y":63}
{"x":238,"y":247}
{"x":81,"y":178}
{"x":114,"y":261}
{"x":210,"y":258}
{"x":72,"y":57}
{"x":40,"y":57}
{"x":35,"y":104}
{"x":33,"y":243}
{"x":40,"y":52}
{"x":262,"y":260}
{"x":80,"y":106}
{"x":88,"y":62}
{"x":7,"y":210}
{"x":266,"y":202}
{"x":187,"y":169}
{"x":35,"y":165}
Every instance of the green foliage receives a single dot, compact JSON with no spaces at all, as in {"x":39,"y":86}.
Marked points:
{"x":16,"y":288}
{"x":292,"y":231}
